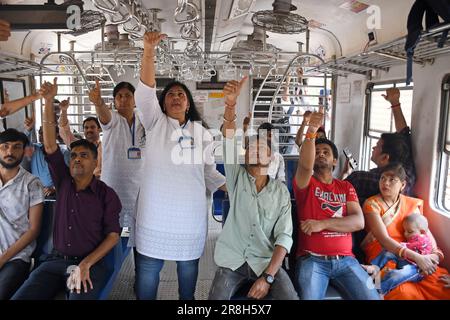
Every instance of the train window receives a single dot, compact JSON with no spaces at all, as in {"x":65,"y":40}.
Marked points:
{"x":443,"y":173}
{"x":379,"y":117}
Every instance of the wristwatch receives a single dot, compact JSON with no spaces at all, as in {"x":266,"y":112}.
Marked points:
{"x":268,"y":277}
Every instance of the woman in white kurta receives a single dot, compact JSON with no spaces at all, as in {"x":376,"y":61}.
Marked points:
{"x":178,"y":170}
{"x":123,"y":140}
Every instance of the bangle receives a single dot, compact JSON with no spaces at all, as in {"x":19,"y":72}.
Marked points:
{"x":230,"y":105}
{"x":399,"y":253}
{"x":395,"y":106}
{"x":226,"y":120}
{"x":439,"y":253}
{"x":310,"y":136}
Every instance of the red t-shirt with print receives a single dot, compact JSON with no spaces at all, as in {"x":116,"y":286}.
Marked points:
{"x":320,"y":201}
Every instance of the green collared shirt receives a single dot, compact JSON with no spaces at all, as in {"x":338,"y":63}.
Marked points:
{"x":256,"y":222}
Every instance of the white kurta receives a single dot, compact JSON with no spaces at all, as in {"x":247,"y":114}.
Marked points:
{"x":119,"y":172}
{"x":172,"y":207}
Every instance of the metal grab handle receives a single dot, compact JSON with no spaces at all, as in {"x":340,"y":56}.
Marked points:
{"x":189,"y":31}
{"x":74,"y":61}
{"x":195,"y":16}
{"x":124,"y":18}
{"x":115,"y":9}
{"x":181,"y":6}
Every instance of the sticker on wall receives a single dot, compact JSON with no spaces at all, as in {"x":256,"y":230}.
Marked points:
{"x":321,"y":52}
{"x":354,"y":6}
{"x":343,"y":93}
{"x":44,"y":48}
{"x":200,"y":96}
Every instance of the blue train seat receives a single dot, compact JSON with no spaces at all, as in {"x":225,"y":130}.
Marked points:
{"x":219,"y":195}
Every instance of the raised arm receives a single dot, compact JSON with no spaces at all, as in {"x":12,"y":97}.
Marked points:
{"x":64,"y":126}
{"x":103,"y":112}
{"x":11,"y":107}
{"x":285,"y":96}
{"x":301,"y":130}
{"x":393,"y":96}
{"x":49,"y":92}
{"x":151,"y":41}
{"x":307,"y":156}
{"x":231,"y":92}
{"x":5,"y":30}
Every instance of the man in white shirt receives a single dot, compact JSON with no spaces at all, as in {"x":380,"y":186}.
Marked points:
{"x":21,"y":204}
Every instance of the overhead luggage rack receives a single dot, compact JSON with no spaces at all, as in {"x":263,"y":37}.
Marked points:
{"x":19,"y":67}
{"x":384,"y":56}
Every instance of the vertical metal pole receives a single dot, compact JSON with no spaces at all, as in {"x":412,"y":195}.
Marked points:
{"x":264,"y":40}
{"x":307,"y":40}
{"x":103,"y":37}
{"x":58,"y":35}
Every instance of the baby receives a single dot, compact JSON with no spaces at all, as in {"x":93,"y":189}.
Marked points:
{"x":415,"y":231}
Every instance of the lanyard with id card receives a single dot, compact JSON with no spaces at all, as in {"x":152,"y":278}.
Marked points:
{"x":134,"y":153}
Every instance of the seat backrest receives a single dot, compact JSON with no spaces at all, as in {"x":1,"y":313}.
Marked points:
{"x":219,"y":195}
{"x":44,"y":242}
{"x":290,"y":168}
{"x":114,"y":260}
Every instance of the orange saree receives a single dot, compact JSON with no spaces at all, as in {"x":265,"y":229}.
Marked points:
{"x":430,"y":288}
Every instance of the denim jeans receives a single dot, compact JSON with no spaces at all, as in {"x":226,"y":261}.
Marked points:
{"x":227,"y":282}
{"x":405,"y":272}
{"x":313,"y":275}
{"x":147,"y":277}
{"x":385,"y":256}
{"x":50,"y":277}
{"x":12,"y":275}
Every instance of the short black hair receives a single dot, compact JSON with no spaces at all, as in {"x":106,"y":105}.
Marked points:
{"x":122,"y":85}
{"x":331,"y":144}
{"x":397,"y":169}
{"x":396,"y":146}
{"x":10,"y":135}
{"x":322,"y":129}
{"x":266,"y":126}
{"x":85,"y":143}
{"x":92,"y":119}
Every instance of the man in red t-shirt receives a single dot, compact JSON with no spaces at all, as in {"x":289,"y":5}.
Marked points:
{"x":328,"y":212}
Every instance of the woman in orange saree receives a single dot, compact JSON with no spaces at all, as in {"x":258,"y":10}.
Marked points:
{"x":384,"y":214}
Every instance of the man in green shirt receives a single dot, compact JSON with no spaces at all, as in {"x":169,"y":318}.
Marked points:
{"x":258,"y":231}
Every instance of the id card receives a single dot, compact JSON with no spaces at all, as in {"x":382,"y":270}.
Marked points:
{"x":134,"y":153}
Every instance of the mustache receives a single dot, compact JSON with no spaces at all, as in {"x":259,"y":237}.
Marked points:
{"x":10,"y":157}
